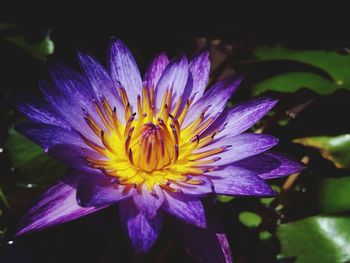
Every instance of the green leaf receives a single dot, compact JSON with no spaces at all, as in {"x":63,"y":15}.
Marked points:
{"x":4,"y":26}
{"x":316,"y":239}
{"x":265,"y":235}
{"x":334,"y":195}
{"x":249,"y":219}
{"x":39,"y":50}
{"x":268,"y":200}
{"x":291,"y":82}
{"x":3,"y":198}
{"x":31,"y":160}
{"x":333,"y":148}
{"x":224,"y":198}
{"x":336,"y":65}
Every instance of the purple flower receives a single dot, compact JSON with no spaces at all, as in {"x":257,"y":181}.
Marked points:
{"x":153,"y":145}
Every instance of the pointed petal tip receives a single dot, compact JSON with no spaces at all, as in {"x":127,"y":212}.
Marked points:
{"x":180,"y":58}
{"x":115,"y":41}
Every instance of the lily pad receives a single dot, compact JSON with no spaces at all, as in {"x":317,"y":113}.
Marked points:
{"x":334,"y":195}
{"x":292,"y":81}
{"x":333,"y":148}
{"x":316,"y":239}
{"x":335,"y":64}
{"x":31,"y":161}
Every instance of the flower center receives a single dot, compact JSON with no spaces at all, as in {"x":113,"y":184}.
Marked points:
{"x":155,"y":146}
{"x":150,"y":147}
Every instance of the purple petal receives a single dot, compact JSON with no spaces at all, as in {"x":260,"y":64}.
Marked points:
{"x":100,"y":190}
{"x":270,"y":165}
{"x":141,"y":231}
{"x":240,"y":147}
{"x":47,"y":135}
{"x":232,"y":180}
{"x":199,"y":67}
{"x":38,"y":110}
{"x":56,"y":206}
{"x":148,"y":203}
{"x":214,"y":100}
{"x":155,"y":70}
{"x":185,"y":207}
{"x":241,"y":117}
{"x":174,"y":78}
{"x":75,"y":157}
{"x":124,"y":70}
{"x":101,"y":82}
{"x":208,"y":245}
{"x":73,"y":95}
{"x":202,"y":189}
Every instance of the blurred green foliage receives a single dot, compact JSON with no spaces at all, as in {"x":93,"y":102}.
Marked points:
{"x":316,"y":239}
{"x":334,"y":195}
{"x":333,"y":148}
{"x":37,"y":168}
{"x":250,"y":219}
{"x":331,"y":70}
{"x":38,"y":50}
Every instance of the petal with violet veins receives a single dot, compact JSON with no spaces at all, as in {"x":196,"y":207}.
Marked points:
{"x":100,"y":190}
{"x":37,"y":110}
{"x":239,"y":147}
{"x":142,"y":232}
{"x":101,"y":82}
{"x":185,"y":207}
{"x":173,"y":79}
{"x":56,"y":206}
{"x":241,"y":117}
{"x":147,"y":202}
{"x":72,"y":101}
{"x":214,"y":99}
{"x":47,"y":135}
{"x":75,"y":157}
{"x":124,"y":70}
{"x":231,"y":180}
{"x":155,"y":70}
{"x":199,"y":67}
{"x":270,"y":165}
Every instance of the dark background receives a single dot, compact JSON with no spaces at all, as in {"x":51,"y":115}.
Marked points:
{"x":98,"y":238}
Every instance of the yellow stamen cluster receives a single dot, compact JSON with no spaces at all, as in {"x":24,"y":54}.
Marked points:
{"x":150,"y":147}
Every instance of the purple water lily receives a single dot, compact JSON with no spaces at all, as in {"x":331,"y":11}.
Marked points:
{"x":153,"y":145}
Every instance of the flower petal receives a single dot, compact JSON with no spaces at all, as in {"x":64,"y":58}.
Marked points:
{"x":208,"y":245}
{"x":100,"y":190}
{"x":56,"y":206}
{"x":75,"y":157}
{"x":141,"y":231}
{"x":47,"y":135}
{"x":72,"y":94}
{"x":190,"y":189}
{"x":38,"y":110}
{"x":148,"y":203}
{"x":232,"y":180}
{"x":241,"y":117}
{"x":240,"y":147}
{"x":270,"y":165}
{"x":199,"y":67}
{"x":214,"y":100}
{"x":124,"y":70}
{"x":174,"y":77}
{"x":155,"y":70}
{"x":101,"y":82}
{"x":185,"y":207}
